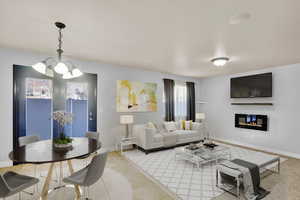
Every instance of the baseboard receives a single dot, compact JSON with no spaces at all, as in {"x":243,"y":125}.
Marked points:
{"x":6,"y":163}
{"x":266,"y":149}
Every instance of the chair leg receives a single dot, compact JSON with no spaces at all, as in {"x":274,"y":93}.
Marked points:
{"x":36,"y":188}
{"x":105,"y":188}
{"x":20,"y":197}
{"x":88,"y":192}
{"x":85,"y":194}
{"x":56,"y":175}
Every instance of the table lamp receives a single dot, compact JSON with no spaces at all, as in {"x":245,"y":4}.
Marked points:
{"x":200,"y":116}
{"x":126,"y":119}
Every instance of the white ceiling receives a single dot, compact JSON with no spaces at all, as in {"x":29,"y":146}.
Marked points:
{"x":173,"y":36}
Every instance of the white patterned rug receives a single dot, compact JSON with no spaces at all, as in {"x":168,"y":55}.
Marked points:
{"x":183,"y":178}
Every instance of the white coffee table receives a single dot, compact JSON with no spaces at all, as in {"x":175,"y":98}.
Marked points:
{"x":203,"y":155}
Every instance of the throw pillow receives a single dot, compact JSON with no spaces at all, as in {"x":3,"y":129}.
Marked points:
{"x":188,"y":125}
{"x":182,"y":124}
{"x":151,"y":125}
{"x":179,"y":125}
{"x":170,"y":126}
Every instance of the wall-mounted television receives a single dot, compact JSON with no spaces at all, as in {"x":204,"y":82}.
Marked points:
{"x":259,"y":85}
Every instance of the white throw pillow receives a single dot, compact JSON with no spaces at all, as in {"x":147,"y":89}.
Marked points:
{"x":170,"y":126}
{"x":151,"y":125}
{"x":180,"y":125}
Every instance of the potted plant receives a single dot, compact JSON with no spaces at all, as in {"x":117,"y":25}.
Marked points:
{"x":62,"y":118}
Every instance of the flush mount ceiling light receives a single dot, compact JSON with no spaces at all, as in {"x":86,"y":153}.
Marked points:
{"x":219,"y":62}
{"x":240,"y":18}
{"x":59,"y":65}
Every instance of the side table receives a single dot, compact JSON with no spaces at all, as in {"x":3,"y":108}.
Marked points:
{"x":126,"y":142}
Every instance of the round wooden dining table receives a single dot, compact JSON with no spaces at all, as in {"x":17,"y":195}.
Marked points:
{"x":43,"y":152}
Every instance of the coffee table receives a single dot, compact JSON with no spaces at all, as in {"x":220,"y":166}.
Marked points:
{"x":203,"y":154}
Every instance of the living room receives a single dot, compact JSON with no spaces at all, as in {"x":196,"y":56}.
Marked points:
{"x":124,"y":47}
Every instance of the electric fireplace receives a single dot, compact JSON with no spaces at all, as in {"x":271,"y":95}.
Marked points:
{"x":250,"y":121}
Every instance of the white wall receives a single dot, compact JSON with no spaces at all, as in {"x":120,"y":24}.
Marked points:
{"x":108,"y":118}
{"x":284,"y":133}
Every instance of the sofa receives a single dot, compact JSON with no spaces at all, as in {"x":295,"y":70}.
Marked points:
{"x":150,"y":139}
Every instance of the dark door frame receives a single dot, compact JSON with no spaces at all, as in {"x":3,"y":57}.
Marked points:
{"x":19,"y":72}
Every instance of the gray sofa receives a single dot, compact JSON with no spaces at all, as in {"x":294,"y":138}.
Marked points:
{"x":149,"y":139}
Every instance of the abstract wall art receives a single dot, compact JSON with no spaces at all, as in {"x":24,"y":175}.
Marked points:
{"x":136,"y":96}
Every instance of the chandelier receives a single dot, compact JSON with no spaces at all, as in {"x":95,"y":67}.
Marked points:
{"x":63,"y":67}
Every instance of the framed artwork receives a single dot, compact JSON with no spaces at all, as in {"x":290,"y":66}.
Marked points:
{"x":38,"y":88}
{"x":77,"y":91}
{"x":136,"y":96}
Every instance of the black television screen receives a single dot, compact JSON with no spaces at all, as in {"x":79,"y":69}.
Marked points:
{"x":259,"y":85}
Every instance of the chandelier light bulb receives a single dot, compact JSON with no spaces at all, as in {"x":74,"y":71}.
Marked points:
{"x":220,"y":62}
{"x":67,"y":76}
{"x":61,"y":68}
{"x":40,"y":67}
{"x":76,"y":72}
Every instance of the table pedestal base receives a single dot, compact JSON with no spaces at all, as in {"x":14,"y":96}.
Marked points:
{"x":65,"y":192}
{"x":47,"y":192}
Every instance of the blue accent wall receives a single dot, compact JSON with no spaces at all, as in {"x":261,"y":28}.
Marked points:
{"x":34,"y":117}
{"x":79,"y":125}
{"x":39,"y":118}
{"x":38,"y":115}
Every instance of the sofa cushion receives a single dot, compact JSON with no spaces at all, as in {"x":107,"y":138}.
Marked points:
{"x":169,"y":139}
{"x":151,"y":131}
{"x":184,"y":134}
{"x":170,"y":126}
{"x":158,"y":138}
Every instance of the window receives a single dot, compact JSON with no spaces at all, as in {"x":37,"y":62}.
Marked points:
{"x":38,"y":88}
{"x":77,"y":91}
{"x":180,"y":100}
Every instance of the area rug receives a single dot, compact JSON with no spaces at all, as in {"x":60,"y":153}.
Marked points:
{"x":183,"y":178}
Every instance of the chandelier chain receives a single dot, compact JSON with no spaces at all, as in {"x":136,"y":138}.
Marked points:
{"x":59,"y":50}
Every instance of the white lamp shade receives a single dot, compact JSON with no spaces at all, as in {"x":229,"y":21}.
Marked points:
{"x":49,"y":72}
{"x":67,"y":75}
{"x":61,"y":68}
{"x":200,"y":116}
{"x":40,"y":67}
{"x":126,"y":119}
{"x":76,"y":72}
